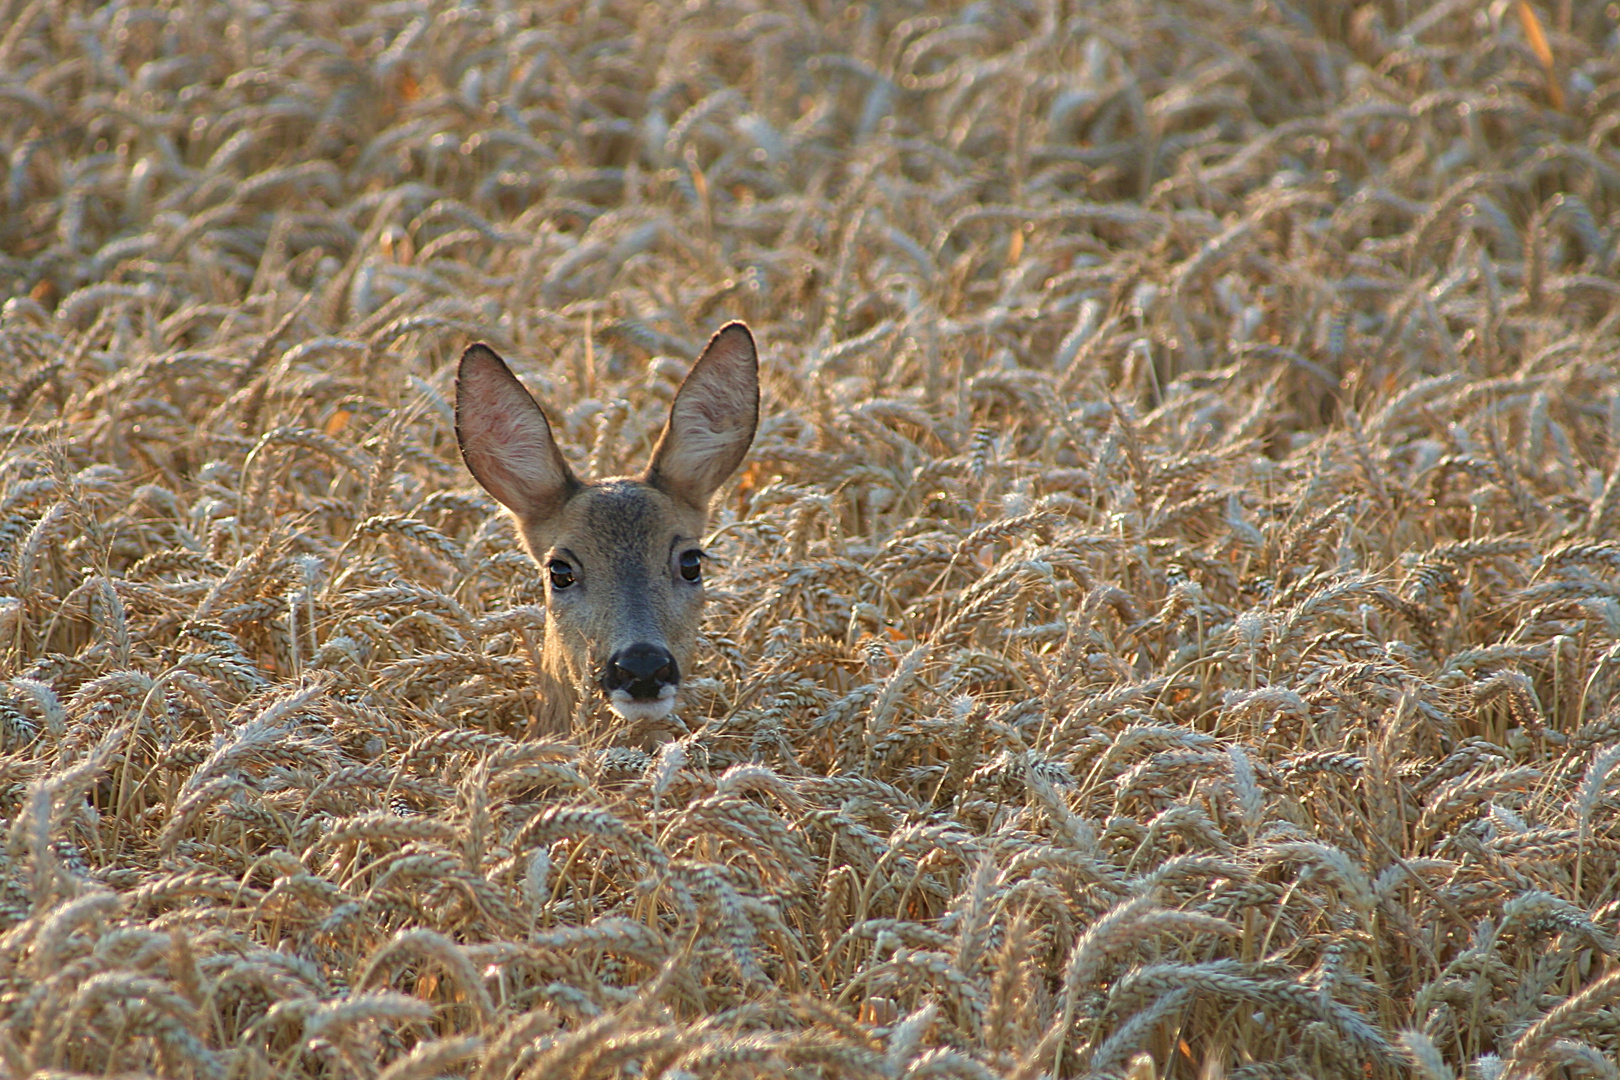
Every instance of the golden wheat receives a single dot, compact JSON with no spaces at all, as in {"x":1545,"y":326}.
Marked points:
{"x":1167,"y":627}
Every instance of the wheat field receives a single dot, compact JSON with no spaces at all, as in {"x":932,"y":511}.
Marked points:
{"x":1168,"y":624}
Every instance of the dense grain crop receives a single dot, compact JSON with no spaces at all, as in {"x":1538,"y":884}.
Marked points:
{"x":1169,"y":623}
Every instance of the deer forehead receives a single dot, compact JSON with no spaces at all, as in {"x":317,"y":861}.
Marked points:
{"x":618,"y":523}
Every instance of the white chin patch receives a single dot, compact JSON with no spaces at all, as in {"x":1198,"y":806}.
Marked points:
{"x":628,"y":708}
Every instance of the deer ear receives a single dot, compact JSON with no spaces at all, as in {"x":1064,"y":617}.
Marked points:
{"x":505,"y":439}
{"x":712,"y":420}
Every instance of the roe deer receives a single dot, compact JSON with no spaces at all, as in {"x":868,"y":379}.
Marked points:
{"x":623,"y":565}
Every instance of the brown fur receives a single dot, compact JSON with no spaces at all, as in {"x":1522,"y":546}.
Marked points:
{"x":622,"y":537}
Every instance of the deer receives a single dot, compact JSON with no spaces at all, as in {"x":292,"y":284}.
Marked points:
{"x":622,"y":556}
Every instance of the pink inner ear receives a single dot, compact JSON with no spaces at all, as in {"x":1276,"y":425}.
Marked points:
{"x":492,"y":470}
{"x":506,"y":442}
{"x":512,"y":438}
{"x":500,"y":424}
{"x":722,"y":397}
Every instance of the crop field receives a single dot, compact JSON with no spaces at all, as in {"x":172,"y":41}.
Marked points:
{"x":1168,"y":625}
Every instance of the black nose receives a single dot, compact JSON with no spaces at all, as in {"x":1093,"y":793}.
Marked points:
{"x":641,"y":671}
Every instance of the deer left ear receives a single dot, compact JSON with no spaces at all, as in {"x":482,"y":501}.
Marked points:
{"x":505,"y":438}
{"x":712,"y":421}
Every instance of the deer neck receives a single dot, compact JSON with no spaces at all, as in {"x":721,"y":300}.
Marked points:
{"x":558,"y":690}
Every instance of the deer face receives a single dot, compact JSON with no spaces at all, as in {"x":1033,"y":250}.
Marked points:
{"x":621,"y":556}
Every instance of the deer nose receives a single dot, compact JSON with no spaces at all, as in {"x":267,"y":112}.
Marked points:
{"x":642,"y":671}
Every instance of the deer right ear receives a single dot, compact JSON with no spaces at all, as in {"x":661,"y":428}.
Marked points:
{"x":505,"y":439}
{"x":712,"y":420}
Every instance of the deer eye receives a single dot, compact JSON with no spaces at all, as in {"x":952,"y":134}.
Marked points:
{"x":691,"y":565}
{"x":562,"y":573}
